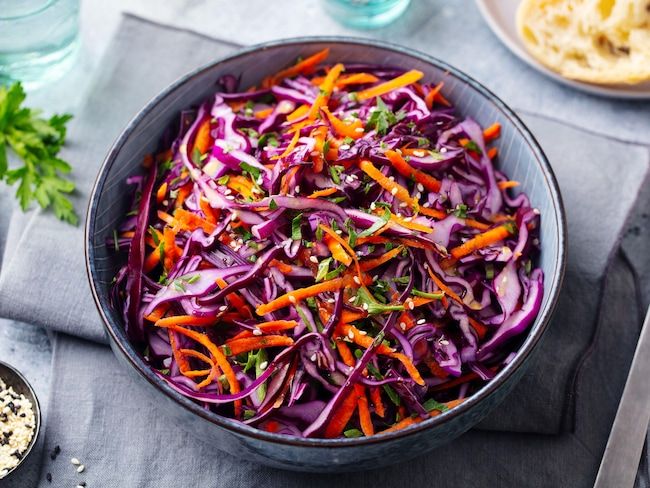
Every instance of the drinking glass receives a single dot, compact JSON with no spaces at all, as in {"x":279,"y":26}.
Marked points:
{"x":366,"y":14}
{"x":38,"y":39}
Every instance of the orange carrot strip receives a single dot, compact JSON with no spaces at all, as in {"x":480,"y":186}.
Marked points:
{"x":276,"y":325}
{"x":152,"y":260}
{"x":284,"y":268}
{"x":198,"y":355}
{"x":403,"y":424}
{"x":492,"y":132}
{"x":364,"y":412}
{"x":211,"y":214}
{"x":183,"y":192}
{"x":346,"y":354}
{"x":504,"y":185}
{"x":480,"y":329}
{"x":342,"y":416}
{"x":323,"y":193}
{"x":455,"y":382}
{"x":492,"y":152}
{"x":172,"y":251}
{"x":257,"y":342}
{"x":158,"y":312}
{"x":306,"y":66}
{"x":161,"y":193}
{"x":341,"y":128}
{"x":480,"y":241}
{"x":176,"y":320}
{"x":240,"y":184}
{"x":435,"y":368}
{"x":448,"y":291}
{"x":337,"y":251}
{"x":181,"y":360}
{"x":299,"y":112}
{"x":190,"y":221}
{"x":370,"y":264}
{"x":405,"y":169}
{"x":375,"y":396}
{"x":300,"y":294}
{"x":264,"y":113}
{"x":235,"y":300}
{"x":409,"y":224}
{"x":203,"y":140}
{"x":432,"y":96}
{"x":165,"y":217}
{"x":356,"y":79}
{"x":388,"y":86}
{"x":222,"y":361}
{"x":326,"y":88}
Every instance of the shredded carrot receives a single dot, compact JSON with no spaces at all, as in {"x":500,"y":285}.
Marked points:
{"x":480,"y":329}
{"x":203,"y":140}
{"x":370,"y":264}
{"x":257,"y":342}
{"x":235,"y":300}
{"x":403,"y":424}
{"x":161,"y":193}
{"x":264,"y":113}
{"x":152,"y":260}
{"x":299,"y":112}
{"x":276,"y":325}
{"x":181,"y":360}
{"x":186,"y":220}
{"x":294,"y":140}
{"x":198,"y":355}
{"x":323,"y":193}
{"x":342,"y":416}
{"x":405,"y":169}
{"x":480,"y":241}
{"x":365,"y":341}
{"x":284,"y":268}
{"x":409,"y":224}
{"x":492,"y":152}
{"x":356,"y":79}
{"x":434,"y":95}
{"x":158,"y":312}
{"x":300,"y":294}
{"x":504,"y":185}
{"x":176,"y":320}
{"x":364,"y":412}
{"x":211,"y":214}
{"x":241,"y":184}
{"x":408,"y":321}
{"x":492,"y":132}
{"x":172,"y":251}
{"x":326,"y":88}
{"x":353,"y":130}
{"x":375,"y":396}
{"x":448,"y":291}
{"x":305,"y":66}
{"x":435,"y":368}
{"x":403,"y":80}
{"x":222,"y":361}
{"x":165,"y":217}
{"x":337,"y":251}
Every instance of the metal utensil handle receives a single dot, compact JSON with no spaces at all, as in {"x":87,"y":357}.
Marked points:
{"x":620,"y":462}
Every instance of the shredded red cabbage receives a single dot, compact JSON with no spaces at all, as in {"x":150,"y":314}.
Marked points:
{"x":331,"y":254}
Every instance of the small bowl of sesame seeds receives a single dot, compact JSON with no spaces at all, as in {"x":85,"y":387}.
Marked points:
{"x":20,"y":420}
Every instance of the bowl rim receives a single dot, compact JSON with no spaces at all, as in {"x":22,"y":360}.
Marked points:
{"x":37,"y":416}
{"x":116,"y":332}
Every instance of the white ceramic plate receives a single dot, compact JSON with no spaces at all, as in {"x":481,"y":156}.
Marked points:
{"x":500,"y":16}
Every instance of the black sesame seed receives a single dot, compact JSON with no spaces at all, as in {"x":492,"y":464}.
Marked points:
{"x":48,"y":477}
{"x":55,"y":452}
{"x":83,"y":483}
{"x":17,"y":454}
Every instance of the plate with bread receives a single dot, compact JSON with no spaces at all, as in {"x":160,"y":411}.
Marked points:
{"x":598,"y":46}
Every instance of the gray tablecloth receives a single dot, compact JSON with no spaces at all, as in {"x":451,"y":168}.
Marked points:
{"x":583,"y":360}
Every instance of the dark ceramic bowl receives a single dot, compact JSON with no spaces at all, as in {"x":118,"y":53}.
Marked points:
{"x":520,"y":157}
{"x":13,"y":378}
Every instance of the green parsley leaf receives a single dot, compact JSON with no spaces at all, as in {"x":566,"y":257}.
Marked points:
{"x":296,"y":233}
{"x":154,"y":235}
{"x":348,"y":140}
{"x":333,"y":274}
{"x":402,"y":280}
{"x":353,"y":433}
{"x":489,"y":271}
{"x":374,"y":307}
{"x":326,"y":147}
{"x":251,"y":170}
{"x":249,"y":414}
{"x":36,"y":141}
{"x":425,"y":294}
{"x":431,"y":405}
{"x":460,"y":211}
{"x":377,"y":225}
{"x":273,"y":205}
{"x":319,"y":233}
{"x":223,"y":180}
{"x":323,"y":269}
{"x":268,"y":139}
{"x":382,"y":118}
{"x":335,"y":172}
{"x":472,"y":146}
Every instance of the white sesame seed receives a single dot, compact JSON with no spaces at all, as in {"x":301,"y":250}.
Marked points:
{"x":292,"y":299}
{"x":233,"y":244}
{"x":223,"y":308}
{"x":443,"y":150}
{"x":331,"y":300}
{"x":81,"y":468}
{"x":373,"y":206}
{"x":339,"y":231}
{"x":313,"y":259}
{"x":358,"y":129}
{"x":364,"y":306}
{"x":375,"y":278}
{"x":421,"y":321}
{"x":257,"y":332}
{"x":165,"y":202}
{"x":351,"y":334}
{"x":363,"y":332}
{"x":411,"y":304}
{"x":417,"y":196}
{"x":418,"y":153}
{"x":356,"y":280}
{"x":227,"y":191}
{"x":264,"y":364}
{"x":402,"y":325}
{"x":75,"y":461}
{"x":536,"y":211}
{"x":426,"y":265}
{"x":313,"y":357}
{"x":408,"y":219}
{"x":391,"y":178}
{"x":297,"y":189}
{"x":351,"y":299}
{"x":398,"y":214}
{"x":393,"y":191}
{"x":403,"y":204}
{"x":420,"y":187}
{"x":426,"y":204}
{"x":344,"y":147}
{"x":398,"y":151}
{"x":229,"y":197}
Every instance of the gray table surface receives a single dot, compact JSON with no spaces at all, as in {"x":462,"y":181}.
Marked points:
{"x":28,"y":347}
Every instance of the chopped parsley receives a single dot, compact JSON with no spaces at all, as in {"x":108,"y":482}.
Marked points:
{"x":296,"y":223}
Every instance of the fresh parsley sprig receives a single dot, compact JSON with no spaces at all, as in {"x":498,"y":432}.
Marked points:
{"x":35,"y":141}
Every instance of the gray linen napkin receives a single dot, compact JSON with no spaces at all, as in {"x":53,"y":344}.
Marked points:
{"x":136,"y":68}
